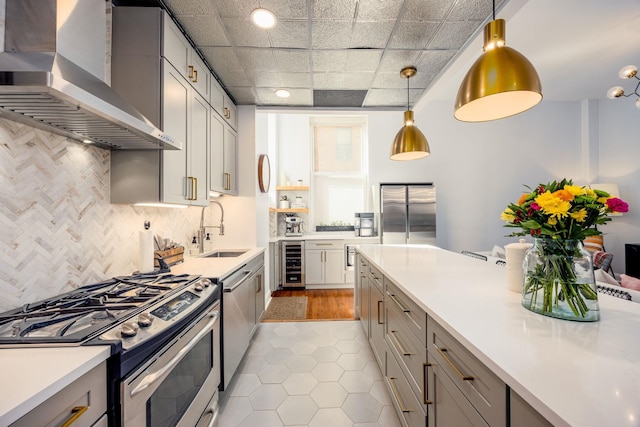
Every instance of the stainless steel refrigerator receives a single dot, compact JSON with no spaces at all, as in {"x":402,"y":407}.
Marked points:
{"x":408,"y":213}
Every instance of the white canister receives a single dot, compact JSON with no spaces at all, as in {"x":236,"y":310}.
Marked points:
{"x":515,"y":272}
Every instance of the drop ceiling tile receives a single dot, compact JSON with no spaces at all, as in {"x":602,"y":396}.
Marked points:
{"x":453,"y":35}
{"x":330,"y":34}
{"x":371,"y":34}
{"x":396,"y":60}
{"x":205,"y":30}
{"x":379,"y":9}
{"x":358,"y":80}
{"x":221,"y":57}
{"x":329,"y":60}
{"x":244,"y":34}
{"x":425,"y":10}
{"x":472,"y":10}
{"x":256,"y":59}
{"x":298,"y":97}
{"x":295,"y":80}
{"x":231,"y":77}
{"x":327,"y":81}
{"x":363,"y":60}
{"x":413,"y":34}
{"x":433,"y":61}
{"x":389,"y":81}
{"x":264,"y":78}
{"x":386,"y":98}
{"x":290,"y":34}
{"x":292,"y":60}
{"x":192,"y":7}
{"x":286,"y":9}
{"x":235,"y":8}
{"x":243,"y":95}
{"x":336,"y":9}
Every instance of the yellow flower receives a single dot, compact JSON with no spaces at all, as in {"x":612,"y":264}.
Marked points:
{"x":589,"y":192}
{"x":580,"y":215}
{"x":552,"y":221}
{"x":564,"y":195}
{"x":507,"y":215}
{"x":553,"y":205}
{"x":575,"y":190}
{"x":603,"y":200}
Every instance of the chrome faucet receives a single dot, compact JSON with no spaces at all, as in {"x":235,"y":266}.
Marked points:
{"x":203,"y":228}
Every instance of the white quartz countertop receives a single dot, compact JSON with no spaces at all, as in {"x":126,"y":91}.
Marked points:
{"x":215,"y":267}
{"x":30,"y":376}
{"x":573,"y":373}
{"x":348,"y":236}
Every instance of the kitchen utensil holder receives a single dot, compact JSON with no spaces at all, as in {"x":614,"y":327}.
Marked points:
{"x":171,"y":256}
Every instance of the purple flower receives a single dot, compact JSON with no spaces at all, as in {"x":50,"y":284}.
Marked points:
{"x":534,"y":206}
{"x":617,"y":205}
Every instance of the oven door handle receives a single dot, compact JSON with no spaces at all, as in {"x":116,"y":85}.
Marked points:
{"x":151,"y":378}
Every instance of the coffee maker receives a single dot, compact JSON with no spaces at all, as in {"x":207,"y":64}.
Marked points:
{"x":293,"y":226}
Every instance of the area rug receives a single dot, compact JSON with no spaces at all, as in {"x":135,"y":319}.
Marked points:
{"x":286,"y":308}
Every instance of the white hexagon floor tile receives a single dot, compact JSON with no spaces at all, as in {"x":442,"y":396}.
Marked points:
{"x":308,"y":374}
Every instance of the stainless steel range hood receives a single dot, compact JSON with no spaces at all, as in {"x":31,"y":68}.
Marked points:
{"x":52,"y":71}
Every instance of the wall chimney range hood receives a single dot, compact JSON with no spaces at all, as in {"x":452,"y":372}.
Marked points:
{"x":52,"y":71}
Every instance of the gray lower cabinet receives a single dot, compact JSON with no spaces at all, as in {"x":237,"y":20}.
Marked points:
{"x":362,"y":293}
{"x":478,"y":388}
{"x":258,"y":285}
{"x":377,"y":322}
{"x":274,"y":266}
{"x":409,"y":409}
{"x":82,"y":403}
{"x":521,"y":414}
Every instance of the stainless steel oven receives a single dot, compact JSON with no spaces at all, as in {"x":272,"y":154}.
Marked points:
{"x":178,"y":385}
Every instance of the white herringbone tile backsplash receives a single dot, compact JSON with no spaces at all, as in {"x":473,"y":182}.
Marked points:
{"x":59,"y":230}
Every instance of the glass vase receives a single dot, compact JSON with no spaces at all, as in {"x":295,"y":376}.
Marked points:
{"x":559,"y":280}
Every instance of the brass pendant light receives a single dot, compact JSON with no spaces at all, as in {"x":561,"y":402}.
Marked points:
{"x":409,"y":143}
{"x":501,"y":83}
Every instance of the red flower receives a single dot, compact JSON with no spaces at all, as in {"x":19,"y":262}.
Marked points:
{"x":534,"y":206}
{"x":617,"y":205}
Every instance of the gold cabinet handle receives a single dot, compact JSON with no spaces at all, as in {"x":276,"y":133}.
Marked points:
{"x":463,"y":377}
{"x":424,"y":384}
{"x":227,"y":183}
{"x":195,"y":76}
{"x":400,"y":306}
{"x":227,"y":113}
{"x":404,"y":352}
{"x":379,"y":311}
{"x":191,"y":70}
{"x":396,"y":396}
{"x":195,"y":192}
{"x":194,"y":188}
{"x":76,"y":412}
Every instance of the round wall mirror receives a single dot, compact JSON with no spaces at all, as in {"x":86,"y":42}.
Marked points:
{"x":264,"y":173}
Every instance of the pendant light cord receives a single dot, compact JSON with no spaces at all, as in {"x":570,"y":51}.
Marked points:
{"x":494,"y":10}
{"x":408,"y":108}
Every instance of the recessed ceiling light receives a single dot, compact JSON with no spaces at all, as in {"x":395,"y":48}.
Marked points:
{"x":283,"y":93}
{"x":263,"y":18}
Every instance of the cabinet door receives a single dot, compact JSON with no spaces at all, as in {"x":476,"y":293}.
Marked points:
{"x":197,"y":152}
{"x":230,"y":112}
{"x":314,"y":266}
{"x":230,"y":161}
{"x":377,"y":326}
{"x":334,"y":266}
{"x":448,"y":405}
{"x":216,"y":155}
{"x":175,"y":47}
{"x":523,"y":415}
{"x":175,"y":105}
{"x":216,"y":96}
{"x":198,"y":74}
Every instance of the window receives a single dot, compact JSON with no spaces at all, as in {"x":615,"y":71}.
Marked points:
{"x":339,"y":186}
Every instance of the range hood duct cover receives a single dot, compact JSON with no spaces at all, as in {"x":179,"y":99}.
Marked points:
{"x":51,"y":76}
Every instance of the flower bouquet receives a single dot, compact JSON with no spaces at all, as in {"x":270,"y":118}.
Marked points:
{"x":559,"y":280}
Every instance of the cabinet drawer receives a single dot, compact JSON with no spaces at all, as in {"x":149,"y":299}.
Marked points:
{"x":414,"y":318}
{"x":376,"y":278}
{"x":450,"y":407}
{"x":88,"y":392}
{"x":324,"y":244}
{"x":485,"y":391}
{"x":410,"y":353}
{"x":409,"y":409}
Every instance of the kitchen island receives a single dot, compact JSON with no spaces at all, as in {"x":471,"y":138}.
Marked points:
{"x":572,"y":373}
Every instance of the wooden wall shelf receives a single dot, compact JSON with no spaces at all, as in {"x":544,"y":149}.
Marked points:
{"x":290,"y":210}
{"x":292,"y":188}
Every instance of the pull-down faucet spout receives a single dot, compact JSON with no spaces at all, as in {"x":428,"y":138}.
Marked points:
{"x":202,"y":229}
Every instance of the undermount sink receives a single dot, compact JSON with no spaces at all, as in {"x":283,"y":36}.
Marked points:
{"x":224,"y":254}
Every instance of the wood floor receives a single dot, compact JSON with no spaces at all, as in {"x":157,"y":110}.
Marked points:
{"x":324,"y":304}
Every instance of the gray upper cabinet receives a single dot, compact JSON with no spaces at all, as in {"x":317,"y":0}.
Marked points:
{"x":223,"y":105}
{"x":150,"y":69}
{"x":223,"y":158}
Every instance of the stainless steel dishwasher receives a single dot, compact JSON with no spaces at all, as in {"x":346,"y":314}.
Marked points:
{"x":239,"y":314}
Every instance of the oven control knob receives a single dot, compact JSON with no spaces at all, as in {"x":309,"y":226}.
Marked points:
{"x":198,"y":287}
{"x":206,"y":282}
{"x":129,"y":329}
{"x":145,"y":320}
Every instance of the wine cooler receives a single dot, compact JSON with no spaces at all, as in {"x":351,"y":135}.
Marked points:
{"x":293,"y":264}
